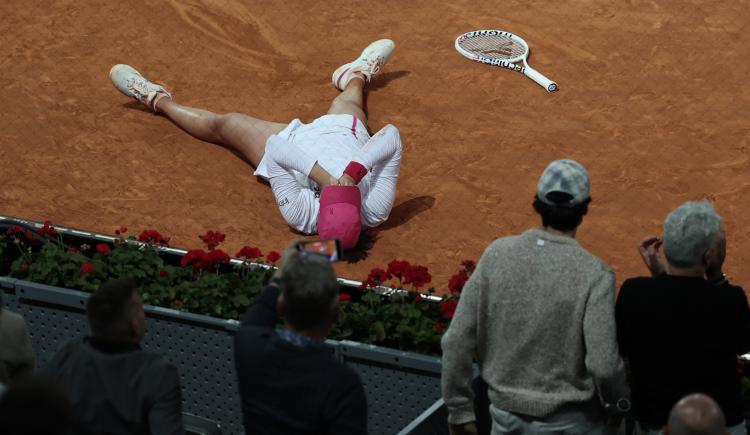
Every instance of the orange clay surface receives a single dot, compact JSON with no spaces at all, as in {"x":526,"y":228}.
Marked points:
{"x":654,"y":101}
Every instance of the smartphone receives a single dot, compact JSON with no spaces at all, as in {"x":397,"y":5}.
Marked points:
{"x":327,"y":249}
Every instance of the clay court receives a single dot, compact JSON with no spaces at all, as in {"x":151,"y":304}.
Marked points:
{"x":653,"y":100}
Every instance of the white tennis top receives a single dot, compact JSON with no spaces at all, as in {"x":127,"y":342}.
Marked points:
{"x":332,"y":141}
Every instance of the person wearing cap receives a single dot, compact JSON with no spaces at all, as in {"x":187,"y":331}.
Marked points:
{"x":330,"y":176}
{"x":538,"y":316}
{"x":682,"y":328}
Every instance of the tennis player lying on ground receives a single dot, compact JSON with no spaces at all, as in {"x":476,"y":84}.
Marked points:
{"x":329,"y":177}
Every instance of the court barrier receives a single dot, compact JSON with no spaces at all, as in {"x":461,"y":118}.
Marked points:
{"x":400,"y":386}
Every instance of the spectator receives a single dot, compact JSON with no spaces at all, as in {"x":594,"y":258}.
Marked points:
{"x":115,"y":387}
{"x":36,"y":406}
{"x":289,"y":381}
{"x":696,"y":414}
{"x":538,"y":314}
{"x":682,"y":328}
{"x":16,"y":354}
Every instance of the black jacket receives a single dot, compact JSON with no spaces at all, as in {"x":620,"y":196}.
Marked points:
{"x":292,"y":389}
{"x":682,"y":335}
{"x":118,"y":388}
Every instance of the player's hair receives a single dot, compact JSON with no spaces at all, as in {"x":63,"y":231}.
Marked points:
{"x":561,"y":217}
{"x":108,"y":308}
{"x":310,"y":291}
{"x":689,"y":230}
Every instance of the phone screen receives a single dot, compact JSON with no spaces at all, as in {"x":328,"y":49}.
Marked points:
{"x":329,"y":249}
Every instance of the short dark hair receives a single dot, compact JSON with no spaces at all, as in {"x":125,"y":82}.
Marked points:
{"x":108,"y":308}
{"x":310,"y":290}
{"x":561,"y":217}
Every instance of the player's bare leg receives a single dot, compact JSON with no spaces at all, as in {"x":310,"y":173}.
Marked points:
{"x":241,"y":132}
{"x":245,"y":134}
{"x":350,"y":78}
{"x":351,"y":100}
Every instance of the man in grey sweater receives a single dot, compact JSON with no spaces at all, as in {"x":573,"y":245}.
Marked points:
{"x":538,"y":316}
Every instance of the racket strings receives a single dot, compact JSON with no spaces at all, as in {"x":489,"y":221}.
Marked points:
{"x":494,"y":47}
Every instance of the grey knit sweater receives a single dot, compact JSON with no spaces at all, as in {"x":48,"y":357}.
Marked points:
{"x":538,"y":314}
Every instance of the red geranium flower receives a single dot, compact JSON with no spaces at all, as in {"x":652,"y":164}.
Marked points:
{"x":215,"y":257}
{"x":73,"y":250}
{"x":448,"y":308}
{"x":440,"y":327}
{"x":398,"y":268}
{"x":457,"y":281}
{"x":30,"y":236}
{"x":193,"y":258}
{"x":102,"y":248}
{"x":418,"y":298}
{"x":16,"y":229}
{"x":417,"y":276}
{"x":376,"y":277}
{"x":24,"y":265}
{"x":153,"y":237}
{"x":249,"y":252}
{"x":86,"y":268}
{"x":47,"y":229}
{"x":345,"y":297}
{"x":212,"y":239}
{"x":469,"y":265}
{"x":121,"y":230}
{"x":273,"y":257}
{"x":163,"y":273}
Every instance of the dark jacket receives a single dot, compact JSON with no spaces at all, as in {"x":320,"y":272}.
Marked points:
{"x":118,"y":388}
{"x":682,"y":335}
{"x":293,"y":388}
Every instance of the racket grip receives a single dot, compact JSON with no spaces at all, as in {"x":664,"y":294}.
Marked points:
{"x":540,"y":79}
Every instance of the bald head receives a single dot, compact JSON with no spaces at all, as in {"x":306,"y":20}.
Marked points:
{"x":696,"y":414}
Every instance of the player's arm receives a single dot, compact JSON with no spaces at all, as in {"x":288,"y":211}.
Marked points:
{"x":289,"y":156}
{"x":296,"y":203}
{"x":383,"y":149}
{"x":322,"y":177}
{"x":381,"y":156}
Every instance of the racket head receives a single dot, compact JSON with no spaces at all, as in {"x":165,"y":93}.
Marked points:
{"x":492,"y":46}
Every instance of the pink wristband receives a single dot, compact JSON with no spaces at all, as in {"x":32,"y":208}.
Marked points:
{"x":356,"y":170}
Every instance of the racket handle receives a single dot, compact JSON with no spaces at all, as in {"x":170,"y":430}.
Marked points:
{"x":540,"y":79}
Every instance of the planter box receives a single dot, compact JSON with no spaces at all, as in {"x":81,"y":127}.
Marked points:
{"x":400,"y":386}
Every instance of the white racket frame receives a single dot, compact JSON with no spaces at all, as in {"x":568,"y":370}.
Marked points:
{"x":512,"y":64}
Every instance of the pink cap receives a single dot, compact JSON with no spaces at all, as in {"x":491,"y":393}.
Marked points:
{"x":339,"y":214}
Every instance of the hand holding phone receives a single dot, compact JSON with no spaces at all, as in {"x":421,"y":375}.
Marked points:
{"x":329,"y":250}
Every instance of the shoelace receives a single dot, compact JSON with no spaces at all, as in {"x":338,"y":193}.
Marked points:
{"x":145,"y":94}
{"x":139,"y":88}
{"x":372,"y":67}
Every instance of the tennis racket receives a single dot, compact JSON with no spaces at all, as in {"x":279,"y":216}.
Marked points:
{"x":503,"y":49}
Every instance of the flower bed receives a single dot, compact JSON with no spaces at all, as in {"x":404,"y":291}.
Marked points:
{"x":206,"y":281}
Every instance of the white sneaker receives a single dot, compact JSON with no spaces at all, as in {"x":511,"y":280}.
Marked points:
{"x":131,"y":83}
{"x":366,"y":66}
